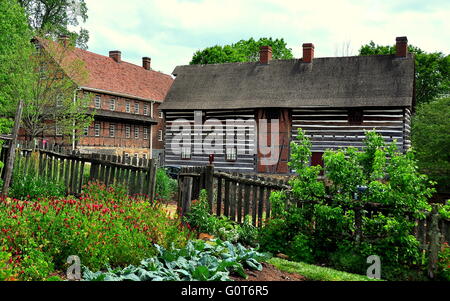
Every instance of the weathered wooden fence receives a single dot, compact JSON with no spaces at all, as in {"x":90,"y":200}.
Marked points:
{"x":230,"y":194}
{"x":75,"y":170}
{"x":238,"y":195}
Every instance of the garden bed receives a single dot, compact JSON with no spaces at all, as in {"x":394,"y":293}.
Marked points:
{"x":269,"y":273}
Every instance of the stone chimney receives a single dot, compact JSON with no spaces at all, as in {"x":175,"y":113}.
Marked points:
{"x":146,"y":62}
{"x":116,"y":55}
{"x":401,"y":46}
{"x":265,"y":54}
{"x":64,"y":40}
{"x":308,"y":52}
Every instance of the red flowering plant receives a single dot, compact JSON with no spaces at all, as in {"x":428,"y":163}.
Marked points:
{"x":444,"y":262}
{"x":103,"y":227}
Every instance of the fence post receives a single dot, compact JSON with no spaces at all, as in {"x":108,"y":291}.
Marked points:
{"x":152,"y":180}
{"x":209,"y":185}
{"x":12,"y":149}
{"x":186,"y":197}
{"x":435,"y":242}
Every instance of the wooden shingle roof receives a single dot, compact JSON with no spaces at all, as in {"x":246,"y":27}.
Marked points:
{"x":358,"y":81}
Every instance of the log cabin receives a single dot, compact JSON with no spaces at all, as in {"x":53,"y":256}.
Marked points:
{"x":333,"y":99}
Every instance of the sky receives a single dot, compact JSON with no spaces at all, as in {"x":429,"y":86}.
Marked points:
{"x":170,"y":31}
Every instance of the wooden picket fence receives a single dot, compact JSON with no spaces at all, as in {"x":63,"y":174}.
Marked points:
{"x":75,"y":169}
{"x":238,"y":195}
{"x":233,"y":195}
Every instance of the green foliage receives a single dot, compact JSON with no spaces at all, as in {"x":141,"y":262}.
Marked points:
{"x":199,"y":260}
{"x":54,"y":18}
{"x":305,"y":186}
{"x":242,"y":51}
{"x":33,"y":187}
{"x":432,"y":70}
{"x":430,"y":132}
{"x":166,"y":187}
{"x":104,"y":226}
{"x":314,"y":272}
{"x":444,"y":210}
{"x":6,"y":269}
{"x":444,"y":262}
{"x":200,"y":219}
{"x":15,"y":51}
{"x":312,"y":227}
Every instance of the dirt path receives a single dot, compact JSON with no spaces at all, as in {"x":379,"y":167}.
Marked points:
{"x":269,"y":273}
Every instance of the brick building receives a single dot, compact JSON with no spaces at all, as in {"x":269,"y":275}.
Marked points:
{"x":126,"y":100}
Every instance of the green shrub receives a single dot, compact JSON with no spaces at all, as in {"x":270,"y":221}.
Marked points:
{"x":33,"y":187}
{"x":104,"y":226}
{"x":444,"y":262}
{"x":300,"y":249}
{"x":200,"y":219}
{"x":166,"y":187}
{"x":308,"y":226}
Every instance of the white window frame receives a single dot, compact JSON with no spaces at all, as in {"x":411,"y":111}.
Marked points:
{"x":136,"y":108}
{"x":161,"y":114}
{"x":136,"y":132}
{"x":86,"y":131}
{"x":160,"y":135}
{"x":128,"y":107}
{"x":98,"y":101}
{"x":146,"y":109}
{"x":145,"y":133}
{"x":231,"y":154}
{"x":127,"y":131}
{"x":112,"y":104}
{"x":97,"y":129}
{"x":186,"y":153}
{"x":112,"y":130}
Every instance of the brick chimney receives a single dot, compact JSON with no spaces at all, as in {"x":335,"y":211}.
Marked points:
{"x":265,"y":54}
{"x":146,"y":62}
{"x":308,"y":52}
{"x":116,"y":55}
{"x":64,"y":40}
{"x":401,"y":46}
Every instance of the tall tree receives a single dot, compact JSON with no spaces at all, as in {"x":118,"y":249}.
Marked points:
{"x":430,"y":140}
{"x":15,"y":51}
{"x":56,"y":106}
{"x":242,"y":51}
{"x":52,"y":18}
{"x":432,"y":70}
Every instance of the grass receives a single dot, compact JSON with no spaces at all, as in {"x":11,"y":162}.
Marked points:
{"x":313,"y":272}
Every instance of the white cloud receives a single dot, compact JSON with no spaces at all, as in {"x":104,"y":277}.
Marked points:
{"x":171,"y":30}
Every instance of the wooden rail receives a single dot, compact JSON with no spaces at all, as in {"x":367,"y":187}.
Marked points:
{"x":74,"y":169}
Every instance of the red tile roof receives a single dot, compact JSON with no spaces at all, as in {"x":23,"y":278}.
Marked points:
{"x":124,"y":78}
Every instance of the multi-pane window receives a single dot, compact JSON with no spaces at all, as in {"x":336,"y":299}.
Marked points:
{"x":127,"y":131}
{"x":231,"y":154}
{"x":97,"y":129}
{"x":145,"y":109}
{"x":136,"y":132}
{"x":97,"y":102}
{"x":112,"y":130}
{"x":59,"y":101}
{"x":58,"y":130}
{"x":161,"y":114}
{"x":186,"y":153}
{"x":86,"y":131}
{"x":136,"y":155}
{"x":144,"y":156}
{"x":128,"y":107}
{"x":145,"y":132}
{"x":160,"y":135}
{"x":136,"y":108}
{"x":112,"y":104}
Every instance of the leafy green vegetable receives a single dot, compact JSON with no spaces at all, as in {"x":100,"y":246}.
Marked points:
{"x":199,"y":260}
